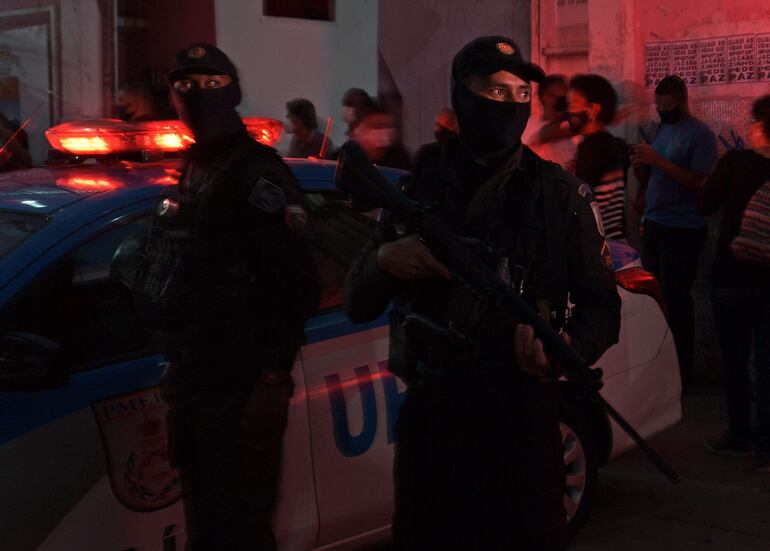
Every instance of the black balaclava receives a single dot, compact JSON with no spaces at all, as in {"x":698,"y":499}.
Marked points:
{"x":210,"y":114}
{"x":490,"y":130}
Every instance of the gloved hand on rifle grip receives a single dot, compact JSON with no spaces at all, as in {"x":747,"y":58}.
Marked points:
{"x":531,"y":356}
{"x":409,"y":259}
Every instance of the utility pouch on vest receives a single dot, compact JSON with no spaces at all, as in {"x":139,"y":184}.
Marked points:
{"x":403,"y":356}
{"x":160,"y":294}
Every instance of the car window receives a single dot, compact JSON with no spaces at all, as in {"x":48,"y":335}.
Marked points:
{"x":338,"y":234}
{"x":16,"y":227}
{"x":83,"y":301}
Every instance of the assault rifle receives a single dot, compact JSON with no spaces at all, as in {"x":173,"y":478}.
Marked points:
{"x":356,"y":175}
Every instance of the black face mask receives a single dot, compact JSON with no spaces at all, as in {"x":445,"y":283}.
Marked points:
{"x":560,"y":104}
{"x":577,"y":120}
{"x":210,"y":114}
{"x":670,"y":117}
{"x":488,"y":129}
{"x":442,"y":135}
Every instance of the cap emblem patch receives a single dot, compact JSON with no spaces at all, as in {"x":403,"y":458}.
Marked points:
{"x":505,"y":48}
{"x":196,"y":53}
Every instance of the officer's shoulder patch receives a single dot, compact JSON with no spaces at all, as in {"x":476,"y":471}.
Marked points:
{"x":606,"y":255}
{"x":267,"y":196}
{"x":585,"y":190}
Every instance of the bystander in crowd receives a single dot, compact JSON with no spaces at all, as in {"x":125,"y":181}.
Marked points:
{"x":601,"y":160}
{"x":376,"y":133}
{"x":136,"y":102}
{"x":545,"y":135}
{"x":355,"y":103}
{"x":302,"y":124}
{"x":670,"y":171}
{"x":740,"y":289}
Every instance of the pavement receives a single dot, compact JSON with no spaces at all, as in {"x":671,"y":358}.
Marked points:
{"x":721,"y":504}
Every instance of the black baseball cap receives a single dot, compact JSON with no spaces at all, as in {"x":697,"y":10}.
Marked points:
{"x":202,"y":58}
{"x":489,"y":54}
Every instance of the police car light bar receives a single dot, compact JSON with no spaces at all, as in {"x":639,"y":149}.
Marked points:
{"x":110,"y":136}
{"x":264,"y":130}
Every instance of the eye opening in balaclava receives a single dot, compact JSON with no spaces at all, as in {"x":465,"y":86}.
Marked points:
{"x":489,"y":129}
{"x":209,"y":113}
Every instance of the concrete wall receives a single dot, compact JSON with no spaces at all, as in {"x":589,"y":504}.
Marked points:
{"x":419,"y":38}
{"x":281,"y":58}
{"x":72,"y":71}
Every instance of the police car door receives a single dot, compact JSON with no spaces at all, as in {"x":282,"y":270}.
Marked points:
{"x":353,"y":402}
{"x":84,"y":461}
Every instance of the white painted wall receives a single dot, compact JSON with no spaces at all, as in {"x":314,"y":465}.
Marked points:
{"x":279,"y":59}
{"x":80,"y":27}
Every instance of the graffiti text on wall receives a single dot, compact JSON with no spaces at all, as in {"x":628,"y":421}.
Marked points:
{"x":710,"y":61}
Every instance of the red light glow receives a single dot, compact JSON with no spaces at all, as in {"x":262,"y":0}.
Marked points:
{"x":322,"y":391}
{"x":85,"y":144}
{"x":80,"y":183}
{"x":264,"y":130}
{"x":640,"y":281}
{"x":109,"y":136}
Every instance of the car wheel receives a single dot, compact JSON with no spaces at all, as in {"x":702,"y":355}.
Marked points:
{"x":580,"y":464}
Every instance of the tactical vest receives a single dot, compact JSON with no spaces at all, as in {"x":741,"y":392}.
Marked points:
{"x":162,"y":287}
{"x":528,"y":252}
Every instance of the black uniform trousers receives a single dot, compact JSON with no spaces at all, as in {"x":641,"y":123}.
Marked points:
{"x":479,"y":463}
{"x":226,"y":443}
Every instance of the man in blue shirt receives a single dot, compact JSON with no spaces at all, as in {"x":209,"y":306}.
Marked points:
{"x":670,"y":172}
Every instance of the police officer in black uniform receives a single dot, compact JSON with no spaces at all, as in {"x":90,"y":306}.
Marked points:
{"x":229,"y":281}
{"x":479,"y":453}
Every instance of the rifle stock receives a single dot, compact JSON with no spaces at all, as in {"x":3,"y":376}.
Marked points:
{"x":357,"y":176}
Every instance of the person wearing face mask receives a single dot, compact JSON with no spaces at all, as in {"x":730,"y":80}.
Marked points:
{"x":444,"y":127}
{"x":601,"y":160}
{"x":302,"y":124}
{"x":740,"y":294}
{"x":376,"y":133}
{"x":544,"y":135}
{"x":479,"y":455}
{"x":670,"y":171}
{"x":228,"y":282}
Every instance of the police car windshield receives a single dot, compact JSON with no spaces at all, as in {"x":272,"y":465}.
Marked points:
{"x":17,"y":227}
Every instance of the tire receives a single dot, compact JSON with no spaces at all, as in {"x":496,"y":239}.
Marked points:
{"x":580,"y":464}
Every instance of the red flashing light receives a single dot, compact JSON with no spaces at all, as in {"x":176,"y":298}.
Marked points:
{"x":85,"y":144}
{"x":109,"y":136}
{"x":80,"y":183}
{"x":640,"y":281}
{"x":264,"y":130}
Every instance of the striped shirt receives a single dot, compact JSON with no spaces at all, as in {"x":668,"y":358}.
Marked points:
{"x":601,"y":163}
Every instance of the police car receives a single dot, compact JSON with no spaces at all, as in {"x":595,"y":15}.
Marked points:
{"x":82,"y":433}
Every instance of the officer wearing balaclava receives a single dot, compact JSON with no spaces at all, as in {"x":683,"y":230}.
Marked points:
{"x":228,"y":282}
{"x":479,"y":457}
